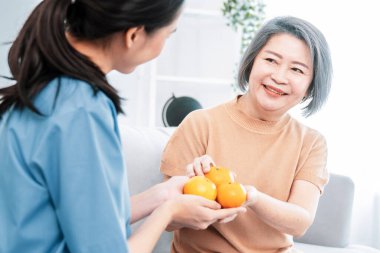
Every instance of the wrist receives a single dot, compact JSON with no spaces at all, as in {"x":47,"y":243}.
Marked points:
{"x":162,"y":193}
{"x":253,"y":196}
{"x":168,"y":207}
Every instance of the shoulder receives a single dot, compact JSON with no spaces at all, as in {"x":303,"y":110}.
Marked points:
{"x":64,"y":94}
{"x":206,"y":115}
{"x":308,"y":134}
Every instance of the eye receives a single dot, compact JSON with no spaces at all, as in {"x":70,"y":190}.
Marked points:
{"x":298,"y":70}
{"x":269,"y":60}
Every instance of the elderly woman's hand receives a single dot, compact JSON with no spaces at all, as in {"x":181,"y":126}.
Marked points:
{"x":200,"y":166}
{"x":252,"y":195}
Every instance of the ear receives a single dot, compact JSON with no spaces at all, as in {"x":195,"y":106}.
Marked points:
{"x":133,"y":35}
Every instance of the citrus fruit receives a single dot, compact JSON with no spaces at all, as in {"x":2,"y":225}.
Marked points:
{"x":220,"y":175}
{"x":201,"y":186}
{"x":231,"y":195}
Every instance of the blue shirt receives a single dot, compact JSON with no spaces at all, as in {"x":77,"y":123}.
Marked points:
{"x":63,"y":185}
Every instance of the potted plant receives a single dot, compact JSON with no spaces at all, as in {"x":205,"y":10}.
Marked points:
{"x":244,"y":16}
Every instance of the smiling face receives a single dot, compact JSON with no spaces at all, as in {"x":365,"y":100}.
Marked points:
{"x":280,"y":77}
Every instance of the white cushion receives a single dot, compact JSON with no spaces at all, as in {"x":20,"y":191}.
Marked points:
{"x":310,"y":248}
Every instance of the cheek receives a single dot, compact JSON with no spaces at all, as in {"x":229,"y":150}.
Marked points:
{"x":157,"y":46}
{"x":259,"y":71}
{"x":255,"y":78}
{"x":252,"y":75}
{"x":153,"y":47}
{"x":158,"y":49}
{"x":302,"y":88}
{"x":151,"y":52}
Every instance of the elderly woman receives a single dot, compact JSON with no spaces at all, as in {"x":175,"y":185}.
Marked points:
{"x":282,"y":162}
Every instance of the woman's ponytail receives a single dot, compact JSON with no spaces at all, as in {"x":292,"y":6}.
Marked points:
{"x":41,"y":52}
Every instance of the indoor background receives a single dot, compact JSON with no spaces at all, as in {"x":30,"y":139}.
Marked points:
{"x":200,"y":61}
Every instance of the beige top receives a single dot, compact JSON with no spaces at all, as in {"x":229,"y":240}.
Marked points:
{"x":267,"y":155}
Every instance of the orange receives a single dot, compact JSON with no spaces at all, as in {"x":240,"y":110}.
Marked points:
{"x":220,"y":175}
{"x":201,"y":186}
{"x":231,"y":195}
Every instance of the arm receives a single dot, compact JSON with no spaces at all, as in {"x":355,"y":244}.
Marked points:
{"x":293,"y":217}
{"x":183,"y":211}
{"x":143,"y":204}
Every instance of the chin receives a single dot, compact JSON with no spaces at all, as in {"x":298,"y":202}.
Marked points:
{"x":126,"y":70}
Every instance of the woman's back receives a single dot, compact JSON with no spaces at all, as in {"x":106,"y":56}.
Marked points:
{"x":68,"y":156}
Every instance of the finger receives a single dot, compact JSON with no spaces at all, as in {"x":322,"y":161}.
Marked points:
{"x":234,"y":175}
{"x":181,"y":180}
{"x":228,"y":219}
{"x":248,"y":203}
{"x":206,"y":162}
{"x":209,"y":203}
{"x":172,"y":227}
{"x":190,"y":170}
{"x":197,"y":166}
{"x":252,"y":195}
{"x":225,"y":213}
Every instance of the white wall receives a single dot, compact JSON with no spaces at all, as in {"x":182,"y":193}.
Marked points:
{"x":13,"y":14}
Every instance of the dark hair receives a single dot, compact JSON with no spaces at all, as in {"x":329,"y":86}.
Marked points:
{"x":41,"y":52}
{"x":322,"y":74}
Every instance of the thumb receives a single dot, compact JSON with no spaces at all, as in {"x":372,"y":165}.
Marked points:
{"x":209,"y":203}
{"x":230,"y":212}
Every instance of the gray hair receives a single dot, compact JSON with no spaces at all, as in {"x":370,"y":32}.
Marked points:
{"x":320,"y":54}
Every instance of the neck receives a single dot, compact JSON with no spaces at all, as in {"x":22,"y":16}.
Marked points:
{"x":249,"y":107}
{"x":94,"y":50}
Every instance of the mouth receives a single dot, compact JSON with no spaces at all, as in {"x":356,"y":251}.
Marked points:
{"x":274,"y":90}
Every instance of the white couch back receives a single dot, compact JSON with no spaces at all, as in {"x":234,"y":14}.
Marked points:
{"x":143,"y":148}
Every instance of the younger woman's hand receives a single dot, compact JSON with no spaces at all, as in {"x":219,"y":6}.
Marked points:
{"x":173,"y":186}
{"x":200,"y":166}
{"x":198,"y":213}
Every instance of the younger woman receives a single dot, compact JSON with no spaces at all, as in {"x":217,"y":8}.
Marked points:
{"x":63,"y":186}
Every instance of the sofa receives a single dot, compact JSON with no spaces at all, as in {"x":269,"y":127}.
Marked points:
{"x":330,"y":232}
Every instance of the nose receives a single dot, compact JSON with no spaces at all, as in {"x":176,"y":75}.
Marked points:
{"x":279,"y":76}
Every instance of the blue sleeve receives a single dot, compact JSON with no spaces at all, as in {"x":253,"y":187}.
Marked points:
{"x":85,"y":175}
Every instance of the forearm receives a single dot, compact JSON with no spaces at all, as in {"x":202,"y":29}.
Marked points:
{"x":285,"y":217}
{"x":147,"y":235}
{"x":145,"y":203}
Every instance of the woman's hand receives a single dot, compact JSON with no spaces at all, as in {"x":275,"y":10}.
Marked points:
{"x":173,"y":186}
{"x":252,"y":195}
{"x":198,"y":213}
{"x":200,"y":166}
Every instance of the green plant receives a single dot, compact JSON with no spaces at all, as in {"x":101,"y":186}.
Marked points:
{"x":245,"y":16}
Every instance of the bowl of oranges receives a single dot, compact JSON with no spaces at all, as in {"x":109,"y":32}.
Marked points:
{"x":218,"y":184}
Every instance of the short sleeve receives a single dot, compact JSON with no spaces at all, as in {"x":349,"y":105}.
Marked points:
{"x":187,"y":142}
{"x":312,"y":167}
{"x":81,"y":160}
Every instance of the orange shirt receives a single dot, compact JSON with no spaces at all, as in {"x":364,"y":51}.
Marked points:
{"x":267,"y":155}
